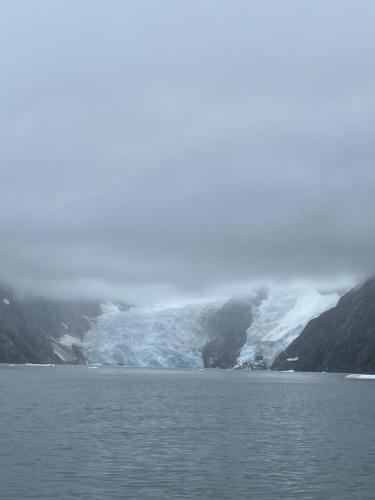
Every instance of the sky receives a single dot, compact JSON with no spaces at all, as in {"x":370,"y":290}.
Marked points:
{"x":151,"y":149}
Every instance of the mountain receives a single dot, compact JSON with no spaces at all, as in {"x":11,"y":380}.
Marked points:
{"x":30,"y":328}
{"x":249,"y":331}
{"x":341,"y":339}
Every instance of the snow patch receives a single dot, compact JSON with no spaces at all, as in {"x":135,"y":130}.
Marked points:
{"x":68,"y":341}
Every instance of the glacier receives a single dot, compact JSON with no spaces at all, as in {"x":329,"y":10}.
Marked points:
{"x":149,"y":336}
{"x":175,"y":336}
{"x":280,"y":318}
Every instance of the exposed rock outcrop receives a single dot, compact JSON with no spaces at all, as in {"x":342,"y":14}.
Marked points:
{"x":227,"y":331}
{"x":30,"y":328}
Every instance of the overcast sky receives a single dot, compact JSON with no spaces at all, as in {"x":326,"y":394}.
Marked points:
{"x":158,"y":147}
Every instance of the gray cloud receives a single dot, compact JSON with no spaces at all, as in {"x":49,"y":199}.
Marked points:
{"x":149,"y":147}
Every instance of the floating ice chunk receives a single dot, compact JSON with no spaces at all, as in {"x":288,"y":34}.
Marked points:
{"x":64,"y":325}
{"x":357,"y":376}
{"x":6,"y":302}
{"x":292,"y":359}
{"x":39,"y":364}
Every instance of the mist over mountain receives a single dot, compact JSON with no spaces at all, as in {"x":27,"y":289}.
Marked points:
{"x":167,"y":160}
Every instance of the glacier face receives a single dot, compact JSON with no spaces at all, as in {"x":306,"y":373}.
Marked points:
{"x":165,"y":336}
{"x":154,"y":336}
{"x":280,"y":318}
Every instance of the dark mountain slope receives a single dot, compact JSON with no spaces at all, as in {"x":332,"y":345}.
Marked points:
{"x":340,"y":340}
{"x":227,"y":328}
{"x":30,"y":328}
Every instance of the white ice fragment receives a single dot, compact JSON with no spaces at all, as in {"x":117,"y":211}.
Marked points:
{"x":6,"y":302}
{"x":39,"y":364}
{"x":357,"y":376}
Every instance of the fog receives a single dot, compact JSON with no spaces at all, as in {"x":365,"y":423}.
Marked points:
{"x":151,"y":150}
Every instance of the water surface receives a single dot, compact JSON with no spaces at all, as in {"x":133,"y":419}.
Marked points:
{"x":111,"y":433}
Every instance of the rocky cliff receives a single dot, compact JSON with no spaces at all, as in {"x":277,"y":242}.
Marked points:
{"x":227,"y":329}
{"x":30,"y":328}
{"x":339,"y":340}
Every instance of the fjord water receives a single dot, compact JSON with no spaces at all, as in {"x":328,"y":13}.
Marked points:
{"x":113,"y":432}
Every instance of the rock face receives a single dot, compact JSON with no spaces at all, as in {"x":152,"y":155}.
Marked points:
{"x":339,"y":340}
{"x":227,"y":332}
{"x":30,"y":328}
